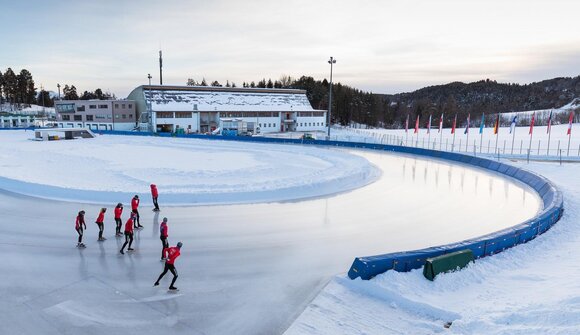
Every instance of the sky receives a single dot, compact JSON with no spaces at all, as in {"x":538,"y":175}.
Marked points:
{"x":380,"y":46}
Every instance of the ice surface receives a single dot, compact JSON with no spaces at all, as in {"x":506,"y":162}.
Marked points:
{"x":244,"y":269}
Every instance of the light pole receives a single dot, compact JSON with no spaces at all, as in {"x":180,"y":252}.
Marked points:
{"x":330,"y":61}
{"x":149,"y":76}
{"x":58,"y":85}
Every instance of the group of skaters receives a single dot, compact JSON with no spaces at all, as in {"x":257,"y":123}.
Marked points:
{"x":168,"y":254}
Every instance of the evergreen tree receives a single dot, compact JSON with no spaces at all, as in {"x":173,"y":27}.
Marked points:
{"x":25,"y":85}
{"x":252,"y":84}
{"x":70,"y":93}
{"x":99,"y":94}
{"x":216,"y":83}
{"x":10,"y":86}
{"x":44,"y":99}
{"x":1,"y":87}
{"x":270,"y":84}
{"x":191,"y":82}
{"x":203,"y":82}
{"x":262,"y":83}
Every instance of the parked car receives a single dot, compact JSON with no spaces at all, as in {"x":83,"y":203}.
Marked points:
{"x":307,"y":136}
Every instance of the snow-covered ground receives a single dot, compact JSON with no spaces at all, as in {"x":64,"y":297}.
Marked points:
{"x":187,"y":172}
{"x":530,"y":289}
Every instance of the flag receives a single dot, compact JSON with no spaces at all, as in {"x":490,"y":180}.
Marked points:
{"x":496,"y":126}
{"x":467,"y":128}
{"x":407,"y":124}
{"x":549,"y":123}
{"x":570,"y":123}
{"x":532,"y":123}
{"x":417,"y":125}
{"x":429,"y":125}
{"x":441,"y":123}
{"x":513,"y":125}
{"x":482,"y":123}
{"x":454,"y":124}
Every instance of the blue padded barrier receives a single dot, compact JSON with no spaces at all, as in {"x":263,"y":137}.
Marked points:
{"x":368,"y":267}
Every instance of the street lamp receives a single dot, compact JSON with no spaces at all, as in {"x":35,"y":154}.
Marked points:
{"x":149,"y":76}
{"x":58,"y":85}
{"x":330,"y":61}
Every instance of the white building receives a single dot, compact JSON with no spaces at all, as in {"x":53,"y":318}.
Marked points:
{"x":8,"y":120}
{"x":201,"y":109}
{"x":96,"y":114}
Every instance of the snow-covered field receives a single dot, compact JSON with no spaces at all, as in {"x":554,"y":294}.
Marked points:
{"x":107,"y":169}
{"x":530,"y":289}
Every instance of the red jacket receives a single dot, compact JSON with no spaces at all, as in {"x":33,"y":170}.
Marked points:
{"x":171,"y":254}
{"x":101,"y":218}
{"x":80,"y":221}
{"x":134,"y":204}
{"x":118,"y":212}
{"x":163,"y":229}
{"x":154,"y":192}
{"x":129,"y":226}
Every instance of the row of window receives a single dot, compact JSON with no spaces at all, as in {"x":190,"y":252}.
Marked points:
{"x":93,"y":126}
{"x":312,"y":124}
{"x":311,"y":114}
{"x":98,"y":117}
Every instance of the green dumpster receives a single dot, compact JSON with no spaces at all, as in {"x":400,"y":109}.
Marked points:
{"x":447,"y":263}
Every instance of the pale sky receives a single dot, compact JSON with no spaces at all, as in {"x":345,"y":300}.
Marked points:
{"x":380,"y":46}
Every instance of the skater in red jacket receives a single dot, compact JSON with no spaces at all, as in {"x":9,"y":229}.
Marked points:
{"x":100,"y":222}
{"x":79,"y":224}
{"x":155,"y":194}
{"x":118,"y":222}
{"x":128,"y":234}
{"x":172,"y":254}
{"x":135,"y":210}
{"x":163,"y":236}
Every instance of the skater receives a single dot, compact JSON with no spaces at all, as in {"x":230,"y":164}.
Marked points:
{"x":155,"y":194}
{"x":80,"y":223}
{"x":118,"y":222}
{"x":135,"y":210}
{"x":99,"y":222}
{"x":163,"y":237}
{"x":128,"y":234}
{"x":172,"y":254}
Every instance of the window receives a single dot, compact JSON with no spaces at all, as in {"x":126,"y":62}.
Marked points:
{"x":89,"y":118}
{"x":92,"y":106}
{"x":130,"y":105}
{"x":65,"y":108}
{"x":66,"y":117}
{"x":183,"y":115}
{"x":99,"y":117}
{"x":269,"y":125}
{"x":124,"y":116}
{"x":80,"y":124}
{"x":80,"y":108}
{"x":122,"y":105}
{"x":260,"y":125}
{"x":116,"y":105}
{"x":103,"y":106}
{"x":117,"y":116}
{"x":165,"y":115}
{"x":109,"y":116}
{"x":130,"y":116}
{"x":78,"y":117}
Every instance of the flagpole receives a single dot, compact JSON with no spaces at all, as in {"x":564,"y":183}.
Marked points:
{"x":514,"y":137}
{"x":496,"y":132}
{"x":549,"y":135}
{"x":569,"y":137}
{"x":531,"y":133}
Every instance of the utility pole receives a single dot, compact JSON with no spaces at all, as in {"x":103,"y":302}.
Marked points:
{"x":331,"y":61}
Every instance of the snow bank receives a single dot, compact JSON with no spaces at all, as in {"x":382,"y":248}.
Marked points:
{"x":112,"y":168}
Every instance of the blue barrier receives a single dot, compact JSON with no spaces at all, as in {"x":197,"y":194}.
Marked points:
{"x":487,"y":245}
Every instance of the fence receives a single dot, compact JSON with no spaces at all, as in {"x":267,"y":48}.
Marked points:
{"x":487,"y":245}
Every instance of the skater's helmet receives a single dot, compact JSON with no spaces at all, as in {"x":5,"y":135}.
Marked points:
{"x":179,"y":244}
{"x":136,"y":196}
{"x":164,"y":219}
{"x":119,"y":205}
{"x":82,"y":213}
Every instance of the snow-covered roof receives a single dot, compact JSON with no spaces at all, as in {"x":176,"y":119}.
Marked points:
{"x":202,"y":98}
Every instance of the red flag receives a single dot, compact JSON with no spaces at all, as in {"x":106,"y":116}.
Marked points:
{"x":407,"y":124}
{"x":454,"y":123}
{"x":440,"y":123}
{"x":570,"y":123}
{"x":496,"y":126}
{"x":417,"y":125}
{"x":532,"y":123}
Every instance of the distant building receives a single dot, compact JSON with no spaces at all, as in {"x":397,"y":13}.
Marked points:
{"x":202,"y":109}
{"x":9,"y":120}
{"x":96,"y":114}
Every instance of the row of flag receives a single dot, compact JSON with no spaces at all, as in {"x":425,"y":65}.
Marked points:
{"x":495,"y":127}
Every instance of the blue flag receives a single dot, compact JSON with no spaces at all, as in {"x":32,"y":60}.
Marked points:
{"x":482,"y":123}
{"x":513,"y":125}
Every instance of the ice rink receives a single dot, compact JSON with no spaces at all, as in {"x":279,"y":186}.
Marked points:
{"x":244,"y":269}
